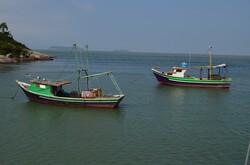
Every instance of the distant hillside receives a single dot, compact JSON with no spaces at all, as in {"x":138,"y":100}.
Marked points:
{"x":63,"y":48}
{"x":8,"y":45}
{"x":60,"y":48}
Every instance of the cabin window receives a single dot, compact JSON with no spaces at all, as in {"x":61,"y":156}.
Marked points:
{"x":169,"y":73}
{"x":42,"y":86}
{"x":178,"y":70}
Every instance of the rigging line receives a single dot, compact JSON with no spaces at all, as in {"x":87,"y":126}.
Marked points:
{"x":81,"y":56}
{"x":64,"y":78}
{"x":65,"y":64}
{"x":77,"y":68}
{"x":97,"y":80}
{"x":202,"y":57}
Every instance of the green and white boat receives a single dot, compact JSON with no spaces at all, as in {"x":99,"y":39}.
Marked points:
{"x":47,"y":91}
{"x":177,"y":77}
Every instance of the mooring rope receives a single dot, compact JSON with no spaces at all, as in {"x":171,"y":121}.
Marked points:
{"x":199,"y":59}
{"x":15,"y":93}
{"x":7,"y":97}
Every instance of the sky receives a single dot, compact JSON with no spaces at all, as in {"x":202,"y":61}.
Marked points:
{"x":168,"y":26}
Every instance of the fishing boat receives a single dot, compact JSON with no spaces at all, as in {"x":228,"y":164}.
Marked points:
{"x":216,"y":76}
{"x":48,"y":91}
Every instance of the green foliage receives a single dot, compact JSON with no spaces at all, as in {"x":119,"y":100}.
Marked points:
{"x":9,"y":45}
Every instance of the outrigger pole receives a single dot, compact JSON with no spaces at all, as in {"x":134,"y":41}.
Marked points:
{"x":111,"y":77}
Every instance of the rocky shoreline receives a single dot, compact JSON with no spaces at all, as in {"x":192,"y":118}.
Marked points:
{"x":33,"y":56}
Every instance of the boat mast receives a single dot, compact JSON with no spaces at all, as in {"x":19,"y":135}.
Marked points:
{"x":87,"y":65}
{"x":210,"y":66}
{"x":77,"y":70}
{"x":87,"y":57}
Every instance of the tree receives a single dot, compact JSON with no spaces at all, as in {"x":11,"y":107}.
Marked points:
{"x":9,"y":45}
{"x":3,"y":26}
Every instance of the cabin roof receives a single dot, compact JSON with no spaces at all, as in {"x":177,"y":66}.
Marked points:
{"x":179,"y":68}
{"x":216,"y":66}
{"x":51,"y":83}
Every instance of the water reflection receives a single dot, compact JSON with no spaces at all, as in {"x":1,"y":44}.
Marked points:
{"x":180,"y":97}
{"x":57,"y":112}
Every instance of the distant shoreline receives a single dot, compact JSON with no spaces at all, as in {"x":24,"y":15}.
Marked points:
{"x":61,"y":49}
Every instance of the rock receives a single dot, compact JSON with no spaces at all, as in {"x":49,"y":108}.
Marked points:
{"x":32,"y":56}
{"x":6,"y":60}
{"x":41,"y":56}
{"x":9,"y":55}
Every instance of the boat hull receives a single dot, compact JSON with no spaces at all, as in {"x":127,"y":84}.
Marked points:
{"x":162,"y":78}
{"x":105,"y":102}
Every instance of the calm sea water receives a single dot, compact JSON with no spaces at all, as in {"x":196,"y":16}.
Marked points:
{"x":154,"y":124}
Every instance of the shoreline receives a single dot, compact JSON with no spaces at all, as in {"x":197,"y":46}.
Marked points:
{"x":33,"y":56}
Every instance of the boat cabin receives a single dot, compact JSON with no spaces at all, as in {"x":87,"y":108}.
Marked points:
{"x":53,"y":88}
{"x":177,"y":72}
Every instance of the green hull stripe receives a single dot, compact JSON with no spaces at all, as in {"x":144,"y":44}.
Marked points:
{"x":81,"y":100}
